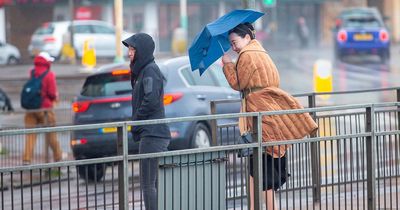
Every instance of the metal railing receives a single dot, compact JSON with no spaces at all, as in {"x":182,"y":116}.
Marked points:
{"x":10,"y":149}
{"x":357,"y":163}
{"x":311,"y":102}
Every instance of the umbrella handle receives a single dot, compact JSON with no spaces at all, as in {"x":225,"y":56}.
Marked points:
{"x":221,"y":47}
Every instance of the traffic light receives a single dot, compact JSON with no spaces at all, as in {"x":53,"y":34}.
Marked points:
{"x":269,"y":3}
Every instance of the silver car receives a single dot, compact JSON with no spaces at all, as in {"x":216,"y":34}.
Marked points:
{"x":51,"y":36}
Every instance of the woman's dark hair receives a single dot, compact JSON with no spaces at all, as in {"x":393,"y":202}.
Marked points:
{"x":243,"y":29}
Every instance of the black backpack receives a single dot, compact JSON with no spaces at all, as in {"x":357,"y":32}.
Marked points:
{"x":31,"y":97}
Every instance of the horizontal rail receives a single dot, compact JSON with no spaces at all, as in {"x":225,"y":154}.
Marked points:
{"x":224,"y":101}
{"x":62,"y":164}
{"x":188,"y":119}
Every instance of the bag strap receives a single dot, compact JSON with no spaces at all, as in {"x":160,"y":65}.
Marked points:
{"x":44,"y":74}
{"x":40,"y":76}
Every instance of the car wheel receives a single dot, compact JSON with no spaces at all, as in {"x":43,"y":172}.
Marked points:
{"x":338,"y":56}
{"x":92,"y":172}
{"x":201,"y":136}
{"x":12,"y":60}
{"x":384,"y":56}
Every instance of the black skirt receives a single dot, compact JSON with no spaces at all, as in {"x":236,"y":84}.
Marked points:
{"x":275,"y":175}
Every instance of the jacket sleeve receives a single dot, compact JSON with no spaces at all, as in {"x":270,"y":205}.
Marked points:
{"x":152,"y":95}
{"x":230,"y":74}
{"x":245,"y":68}
{"x":51,"y":90}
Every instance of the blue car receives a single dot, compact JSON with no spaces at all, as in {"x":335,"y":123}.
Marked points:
{"x":361,"y":31}
{"x":106,"y":97}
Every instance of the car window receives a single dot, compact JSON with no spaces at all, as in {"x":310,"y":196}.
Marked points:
{"x":82,"y":29}
{"x":45,"y":29}
{"x":188,"y":76}
{"x":362,"y":22}
{"x":107,"y":85}
{"x":193,"y":77}
{"x":219,"y":75}
{"x":102,"y":29}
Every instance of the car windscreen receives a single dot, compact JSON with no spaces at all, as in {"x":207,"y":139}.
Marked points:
{"x":107,"y":85}
{"x":45,"y":29}
{"x":362,"y":22}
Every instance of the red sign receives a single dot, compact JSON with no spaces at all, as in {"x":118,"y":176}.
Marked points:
{"x":5,"y":2}
{"x":83,"y":13}
{"x":88,"y":13}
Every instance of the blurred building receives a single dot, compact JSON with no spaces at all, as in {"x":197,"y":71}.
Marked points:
{"x":20,"y":18}
{"x":159,"y":18}
{"x":391,"y":10}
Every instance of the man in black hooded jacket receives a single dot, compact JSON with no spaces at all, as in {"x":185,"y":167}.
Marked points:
{"x":147,"y":103}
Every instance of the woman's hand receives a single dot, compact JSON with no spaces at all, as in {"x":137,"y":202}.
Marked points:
{"x":226,"y":59}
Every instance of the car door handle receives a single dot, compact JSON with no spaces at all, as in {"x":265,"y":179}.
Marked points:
{"x":230,"y":96}
{"x":201,"y":97}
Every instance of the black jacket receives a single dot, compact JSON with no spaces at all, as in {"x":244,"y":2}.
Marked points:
{"x":148,"y":88}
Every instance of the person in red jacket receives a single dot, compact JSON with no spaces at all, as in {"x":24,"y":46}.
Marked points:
{"x":45,"y":116}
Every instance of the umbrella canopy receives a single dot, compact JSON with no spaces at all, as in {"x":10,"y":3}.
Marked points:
{"x":211,"y":43}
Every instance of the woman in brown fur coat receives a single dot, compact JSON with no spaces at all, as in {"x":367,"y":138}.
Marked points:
{"x":257,"y":77}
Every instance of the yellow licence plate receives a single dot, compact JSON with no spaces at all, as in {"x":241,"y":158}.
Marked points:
{"x":363,"y":37}
{"x":112,"y":130}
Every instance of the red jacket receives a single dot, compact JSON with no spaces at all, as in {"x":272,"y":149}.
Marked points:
{"x":49,"y":84}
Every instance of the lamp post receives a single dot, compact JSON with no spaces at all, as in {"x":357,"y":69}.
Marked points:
{"x":118,"y":30}
{"x":71,"y":30}
{"x":183,"y":11}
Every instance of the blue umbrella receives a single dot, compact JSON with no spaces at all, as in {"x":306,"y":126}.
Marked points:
{"x":211,"y":43}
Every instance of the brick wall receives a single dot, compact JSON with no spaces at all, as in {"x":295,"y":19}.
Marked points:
{"x":22,"y":21}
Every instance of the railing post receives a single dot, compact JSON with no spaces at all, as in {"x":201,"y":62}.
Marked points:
{"x":315,"y":158}
{"x":213,"y":124}
{"x":398,"y":113}
{"x":257,"y":163}
{"x":46,"y":138}
{"x":371,"y":167}
{"x":122,"y":150}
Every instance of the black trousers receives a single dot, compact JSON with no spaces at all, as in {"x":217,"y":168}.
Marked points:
{"x":148,"y":169}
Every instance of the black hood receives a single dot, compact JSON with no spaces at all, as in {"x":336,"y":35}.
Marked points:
{"x":144,"y":46}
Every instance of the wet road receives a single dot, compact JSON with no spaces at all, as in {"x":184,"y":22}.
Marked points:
{"x":355,"y":73}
